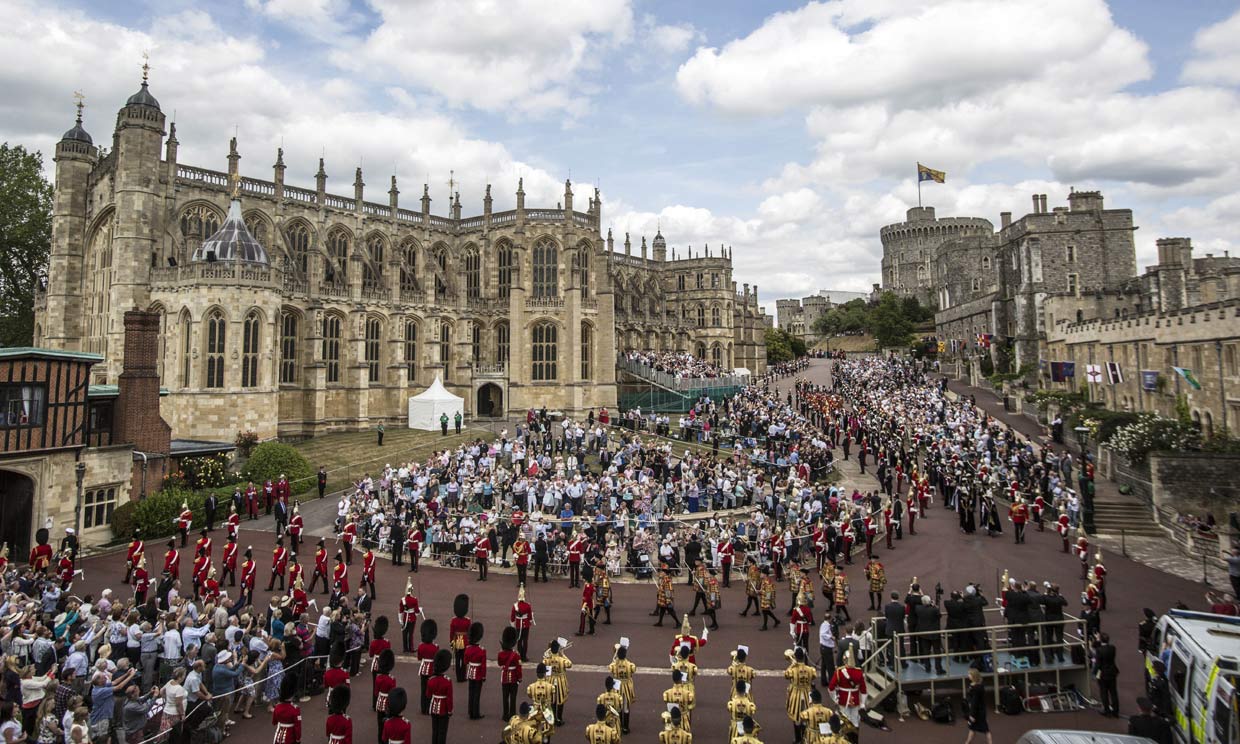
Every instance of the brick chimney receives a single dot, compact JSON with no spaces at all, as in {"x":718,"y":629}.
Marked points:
{"x":137,"y":417}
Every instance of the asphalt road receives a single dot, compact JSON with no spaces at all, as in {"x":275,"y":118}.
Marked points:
{"x":939,"y":552}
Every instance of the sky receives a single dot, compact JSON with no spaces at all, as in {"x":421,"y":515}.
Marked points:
{"x":787,"y":131}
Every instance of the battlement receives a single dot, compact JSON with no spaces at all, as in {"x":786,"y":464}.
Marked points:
{"x":937,"y":229}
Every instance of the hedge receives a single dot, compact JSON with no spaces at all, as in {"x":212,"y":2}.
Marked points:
{"x":154,"y":515}
{"x":270,"y":460}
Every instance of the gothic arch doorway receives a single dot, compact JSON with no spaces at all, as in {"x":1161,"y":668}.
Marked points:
{"x":16,"y":511}
{"x":490,"y":401}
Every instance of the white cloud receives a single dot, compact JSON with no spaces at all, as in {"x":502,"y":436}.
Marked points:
{"x":672,"y":39}
{"x":519,"y":56}
{"x":914,"y":54}
{"x":325,"y":20}
{"x":215,"y":82}
{"x":793,"y":206}
{"x":1216,"y":54}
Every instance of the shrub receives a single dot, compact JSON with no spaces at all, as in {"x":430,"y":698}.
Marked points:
{"x":271,"y":459}
{"x":1153,"y":433}
{"x":122,"y":520}
{"x":245,"y":442}
{"x":155,"y":514}
{"x":210,"y":471}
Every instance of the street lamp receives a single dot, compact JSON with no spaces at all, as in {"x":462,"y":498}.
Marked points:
{"x":80,"y":469}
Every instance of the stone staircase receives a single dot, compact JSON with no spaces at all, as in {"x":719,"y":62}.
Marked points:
{"x":1115,"y":515}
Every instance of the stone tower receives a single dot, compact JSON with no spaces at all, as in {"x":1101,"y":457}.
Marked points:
{"x":660,"y":247}
{"x":75,"y":157}
{"x":136,"y":150}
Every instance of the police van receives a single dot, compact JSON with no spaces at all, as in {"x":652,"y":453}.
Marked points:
{"x":1203,"y":672}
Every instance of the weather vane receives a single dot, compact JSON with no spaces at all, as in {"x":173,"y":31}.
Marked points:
{"x":146,"y":65}
{"x":80,"y":98}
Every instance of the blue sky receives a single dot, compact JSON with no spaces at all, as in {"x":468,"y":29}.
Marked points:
{"x":789,"y":131}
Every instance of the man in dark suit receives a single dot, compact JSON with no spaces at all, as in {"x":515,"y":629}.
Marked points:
{"x":281,"y":511}
{"x":209,"y":507}
{"x":1107,"y":673}
{"x":893,"y":614}
{"x":1149,"y":725}
{"x":928,"y":617}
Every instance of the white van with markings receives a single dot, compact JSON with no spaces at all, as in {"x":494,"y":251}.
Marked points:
{"x":1203,"y":672}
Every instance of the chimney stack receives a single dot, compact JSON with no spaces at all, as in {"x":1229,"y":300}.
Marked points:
{"x":1042,"y":202}
{"x":1005,"y":219}
{"x":1035,"y":204}
{"x":137,"y":417}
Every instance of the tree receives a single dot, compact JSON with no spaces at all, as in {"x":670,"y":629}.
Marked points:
{"x":779,"y":346}
{"x":889,"y":324}
{"x":25,"y":240}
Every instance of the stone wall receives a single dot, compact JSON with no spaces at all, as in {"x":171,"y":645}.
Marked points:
{"x":1196,"y":483}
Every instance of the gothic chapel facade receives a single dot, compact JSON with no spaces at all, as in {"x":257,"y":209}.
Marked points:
{"x":293,"y":312}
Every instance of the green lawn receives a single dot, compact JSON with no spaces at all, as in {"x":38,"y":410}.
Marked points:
{"x":348,"y":456}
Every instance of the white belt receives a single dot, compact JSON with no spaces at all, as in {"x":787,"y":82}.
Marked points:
{"x":335,"y":739}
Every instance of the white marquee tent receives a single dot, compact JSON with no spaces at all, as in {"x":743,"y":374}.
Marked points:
{"x":426,"y":407}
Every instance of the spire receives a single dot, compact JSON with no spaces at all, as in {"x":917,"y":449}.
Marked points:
{"x":143,"y":97}
{"x":77,"y":133}
{"x":393,"y":196}
{"x":358,"y":186}
{"x":172,"y":129}
{"x":234,"y":157}
{"x":279,"y":158}
{"x":628,"y":245}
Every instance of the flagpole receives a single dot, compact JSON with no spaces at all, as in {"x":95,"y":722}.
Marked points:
{"x":919,"y":191}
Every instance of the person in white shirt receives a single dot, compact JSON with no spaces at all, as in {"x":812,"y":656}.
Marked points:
{"x":826,"y":648}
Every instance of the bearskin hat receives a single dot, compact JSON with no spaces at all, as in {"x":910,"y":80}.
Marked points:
{"x":443,"y":660}
{"x":460,"y":605}
{"x":380,"y":627}
{"x":508,"y":639}
{"x":397,"y":700}
{"x":387,"y":661}
{"x":338,"y":700}
{"x":475,"y":633}
{"x":430,"y":629}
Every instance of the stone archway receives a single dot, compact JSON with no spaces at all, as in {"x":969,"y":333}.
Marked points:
{"x":490,"y":401}
{"x":16,"y":511}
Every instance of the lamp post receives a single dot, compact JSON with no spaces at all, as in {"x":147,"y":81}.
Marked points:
{"x":80,"y":469}
{"x":1085,"y":485}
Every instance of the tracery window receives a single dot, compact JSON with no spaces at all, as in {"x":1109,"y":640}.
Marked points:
{"x":250,"y":331}
{"x":445,"y":349}
{"x":372,"y":349}
{"x":587,"y":345}
{"x":441,"y":260}
{"x":716,"y":317}
{"x":501,"y":343}
{"x":337,"y":257}
{"x":411,"y":351}
{"x":581,"y":269}
{"x":473,"y":275}
{"x":701,"y":316}
{"x":299,"y":246}
{"x":546,"y":269}
{"x":198,"y":222}
{"x":331,"y":346}
{"x":216,"y":333}
{"x":475,"y":343}
{"x":373,"y":276}
{"x":288,"y":347}
{"x":544,"y":352}
{"x":505,"y":269}
{"x":257,"y":226}
{"x":186,"y":347}
{"x":409,"y":270}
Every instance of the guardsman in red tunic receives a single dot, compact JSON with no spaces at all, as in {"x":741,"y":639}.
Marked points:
{"x":340,"y":575}
{"x":279,"y":564}
{"x":339,"y":728}
{"x":587,"y":609}
{"x":1018,"y":512}
{"x":251,"y":501}
{"x":396,"y":728}
{"x":347,"y":536}
{"x":802,"y":621}
{"x":336,"y":675}
{"x":233,"y":523}
{"x":203,"y":544}
{"x":286,"y":716}
{"x":848,"y":684}
{"x":41,"y":554}
{"x":320,"y":567}
{"x":199,"y":573}
{"x":482,"y":553}
{"x":211,"y":587}
{"x":685,"y":636}
{"x":1064,"y":528}
{"x":136,"y":548}
{"x":458,"y":633}
{"x":726,"y":552}
{"x":172,"y":560}
{"x":1082,"y":552}
{"x":184,"y":522}
{"x":439,"y":693}
{"x":296,"y":524}
{"x":368,"y":571}
{"x":283,"y":491}
{"x":427,"y":650}
{"x":407,"y":612}
{"x":378,"y":644}
{"x":249,"y":571}
{"x":475,"y":670}
{"x":141,"y":581}
{"x":888,"y":524}
{"x":294,"y":570}
{"x":1100,"y":580}
{"x":871,"y":529}
{"x":521,"y":557}
{"x":521,"y":618}
{"x":383,"y":685}
{"x":65,"y":568}
{"x":576,"y":548}
{"x":230,"y":561}
{"x":413,"y":545}
{"x":1039,"y":508}
{"x":509,"y":663}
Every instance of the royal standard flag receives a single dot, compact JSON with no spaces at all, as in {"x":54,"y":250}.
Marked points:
{"x":1188,"y":376}
{"x":930,"y":174}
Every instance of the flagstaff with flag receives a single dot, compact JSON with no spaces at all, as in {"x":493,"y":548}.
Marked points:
{"x":928,"y":174}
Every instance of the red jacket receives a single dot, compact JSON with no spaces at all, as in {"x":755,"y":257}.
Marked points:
{"x":172,"y":563}
{"x":408,"y":608}
{"x":439,"y":692}
{"x":475,"y":663}
{"x":426,"y":658}
{"x":575,"y":549}
{"x":458,"y":632}
{"x":41,"y":557}
{"x":204,"y":545}
{"x":320,"y":561}
{"x":339,"y":729}
{"x":377,"y":646}
{"x":368,"y":567}
{"x":135,"y":548}
{"x":398,"y":730}
{"x":279,"y":560}
{"x":509,"y":667}
{"x":848,"y":684}
{"x":335,"y":677}
{"x":230,"y":556}
{"x":521,"y":616}
{"x":141,"y":580}
{"x":286,"y":717}
{"x":248,"y":571}
{"x":341,"y":575}
{"x":482,"y":547}
{"x":66,"y":569}
{"x":383,"y":685}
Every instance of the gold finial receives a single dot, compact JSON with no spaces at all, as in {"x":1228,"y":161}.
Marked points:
{"x":146,"y":65}
{"x":80,"y":98}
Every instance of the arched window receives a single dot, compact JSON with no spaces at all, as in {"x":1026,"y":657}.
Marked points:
{"x":701,"y":316}
{"x":198,"y":223}
{"x":288,"y":347}
{"x":501,"y":343}
{"x":186,"y":346}
{"x":445,"y":349}
{"x":373,"y":276}
{"x":299,"y":246}
{"x":411,"y":351}
{"x":216,"y":332}
{"x":587,"y":347}
{"x":716,"y":355}
{"x":473,"y":274}
{"x":372,"y":349}
{"x":986,"y":263}
{"x":716,"y":317}
{"x":441,"y":260}
{"x":505,"y":269}
{"x":475,"y":343}
{"x":545,"y":352}
{"x":250,"y":330}
{"x":337,"y":257}
{"x":581,"y":269}
{"x":546,"y":269}
{"x":635,"y":304}
{"x":96,"y":306}
{"x":331,"y":346}
{"x":409,"y":268}
{"x":257,"y":225}
{"x":680,"y":282}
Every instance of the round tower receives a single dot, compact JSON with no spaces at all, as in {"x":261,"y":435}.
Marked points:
{"x":60,"y":323}
{"x":910,"y":247}
{"x":660,"y":247}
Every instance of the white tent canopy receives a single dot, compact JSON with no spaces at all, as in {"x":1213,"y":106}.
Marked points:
{"x":426,"y":407}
